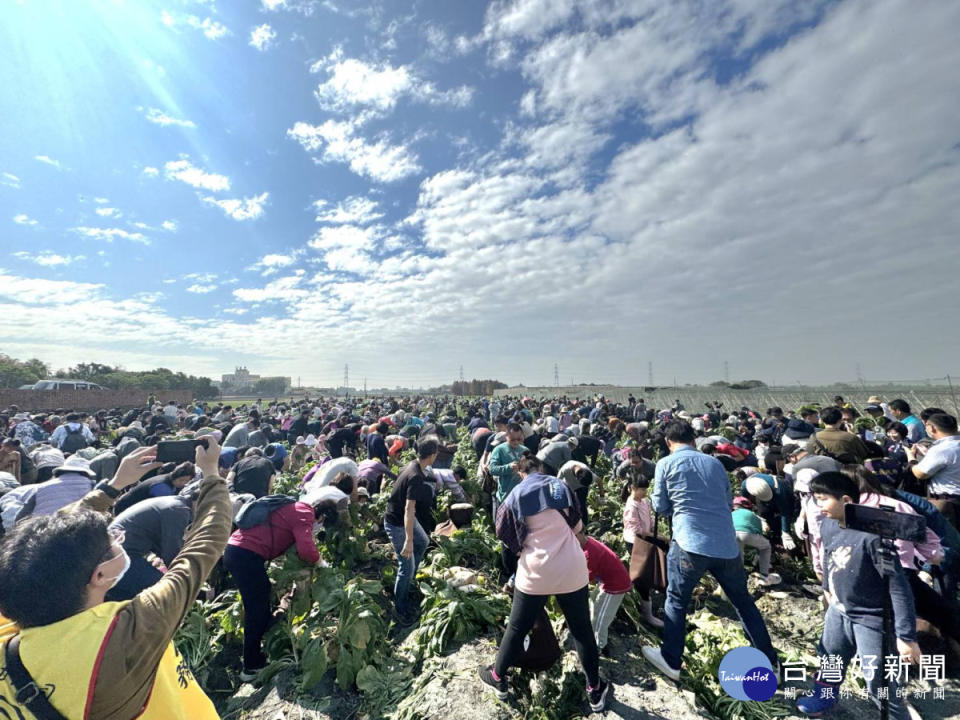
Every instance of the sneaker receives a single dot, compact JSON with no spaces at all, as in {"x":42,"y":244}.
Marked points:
{"x":599,"y":696}
{"x":820,"y":702}
{"x":771,"y":580}
{"x":655,"y":658}
{"x":499,"y":687}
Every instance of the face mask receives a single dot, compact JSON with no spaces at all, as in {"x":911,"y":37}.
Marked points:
{"x":126,"y":566}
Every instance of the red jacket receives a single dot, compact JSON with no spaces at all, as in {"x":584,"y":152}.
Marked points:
{"x":606,"y":568}
{"x":288,"y":525}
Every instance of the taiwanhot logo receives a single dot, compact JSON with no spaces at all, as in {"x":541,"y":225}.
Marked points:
{"x":746,"y":674}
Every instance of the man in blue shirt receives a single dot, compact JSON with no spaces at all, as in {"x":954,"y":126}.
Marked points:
{"x":694,"y":488}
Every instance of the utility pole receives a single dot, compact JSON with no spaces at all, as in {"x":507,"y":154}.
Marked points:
{"x":346,"y":380}
{"x":650,"y":373}
{"x":726,"y":372}
{"x":461,"y":373}
{"x":364,"y":388}
{"x":556,"y":375}
{"x":860,"y":376}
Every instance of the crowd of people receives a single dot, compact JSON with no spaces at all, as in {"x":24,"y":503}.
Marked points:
{"x":107,"y":542}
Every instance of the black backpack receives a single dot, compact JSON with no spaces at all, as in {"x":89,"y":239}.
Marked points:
{"x":73,"y":441}
{"x":256,"y":512}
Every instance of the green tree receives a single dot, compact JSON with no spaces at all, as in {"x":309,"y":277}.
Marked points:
{"x":14,"y":373}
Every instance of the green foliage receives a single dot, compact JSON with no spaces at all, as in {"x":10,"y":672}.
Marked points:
{"x":14,"y":373}
{"x":200,"y":637}
{"x":159,"y":379}
{"x":451,"y":614}
{"x":708,"y":641}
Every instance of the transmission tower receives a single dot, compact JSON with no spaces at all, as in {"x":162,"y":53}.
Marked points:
{"x":346,"y":379}
{"x":556,"y":375}
{"x":726,"y":371}
{"x":461,"y":373}
{"x":650,"y":373}
{"x":364,"y":388}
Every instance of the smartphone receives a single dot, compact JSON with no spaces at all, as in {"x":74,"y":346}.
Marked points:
{"x":178,"y":451}
{"x":885,"y":522}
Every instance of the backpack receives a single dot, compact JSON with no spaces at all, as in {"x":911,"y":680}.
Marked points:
{"x":256,"y":512}
{"x":74,"y":441}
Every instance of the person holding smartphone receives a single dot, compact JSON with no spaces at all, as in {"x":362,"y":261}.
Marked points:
{"x":122,"y":663}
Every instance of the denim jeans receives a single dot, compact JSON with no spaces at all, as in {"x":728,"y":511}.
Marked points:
{"x":406,"y":567}
{"x":684,"y":571}
{"x":845,"y":638}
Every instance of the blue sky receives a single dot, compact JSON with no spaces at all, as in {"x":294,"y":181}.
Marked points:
{"x":411,"y":187}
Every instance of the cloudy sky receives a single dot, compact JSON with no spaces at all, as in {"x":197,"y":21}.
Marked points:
{"x":410,"y":187}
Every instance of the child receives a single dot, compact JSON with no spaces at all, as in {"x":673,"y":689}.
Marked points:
{"x":637,"y":512}
{"x":609,"y":571}
{"x":854,"y":588}
{"x":749,"y":530}
{"x":638,"y":522}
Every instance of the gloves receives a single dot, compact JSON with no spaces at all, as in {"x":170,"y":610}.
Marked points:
{"x":788,"y":542}
{"x":798,"y":526}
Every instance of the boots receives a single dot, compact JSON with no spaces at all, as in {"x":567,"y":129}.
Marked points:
{"x":646,"y":614}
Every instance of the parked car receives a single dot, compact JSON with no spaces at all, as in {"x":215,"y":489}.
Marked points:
{"x":58,"y":384}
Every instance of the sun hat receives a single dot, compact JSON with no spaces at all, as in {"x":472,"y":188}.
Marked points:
{"x":759,"y":488}
{"x":74,"y":464}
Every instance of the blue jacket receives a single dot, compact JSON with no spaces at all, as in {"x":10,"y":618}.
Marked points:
{"x":694,"y":488}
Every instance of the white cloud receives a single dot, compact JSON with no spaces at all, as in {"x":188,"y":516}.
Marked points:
{"x":285,"y":289}
{"x":161,"y":118}
{"x":151,"y":171}
{"x":167,"y":19}
{"x":304,"y":7}
{"x":108,"y":212}
{"x":343,"y":236}
{"x":262,"y":37}
{"x":211,"y":28}
{"x":201,"y":289}
{"x":337,"y":142}
{"x":273,"y":262}
{"x":10,"y":180}
{"x":48,"y":258}
{"x":169,"y":225}
{"x":23,"y":219}
{"x":110,"y":234}
{"x":377,"y":87}
{"x":101,"y":200}
{"x":47,"y":160}
{"x":249,"y":208}
{"x":356,"y":210}
{"x":186,"y":172}
{"x":36,"y":291}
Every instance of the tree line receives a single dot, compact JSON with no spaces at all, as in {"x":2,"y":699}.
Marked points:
{"x":14,"y":373}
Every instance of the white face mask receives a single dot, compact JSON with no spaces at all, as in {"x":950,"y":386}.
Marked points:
{"x":126,"y":566}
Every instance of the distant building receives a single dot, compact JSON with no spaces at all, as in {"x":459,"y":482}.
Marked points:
{"x":239,"y":378}
{"x":243,"y":379}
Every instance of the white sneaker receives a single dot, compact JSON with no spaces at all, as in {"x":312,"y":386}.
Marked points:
{"x":771,"y":580}
{"x":655,"y":658}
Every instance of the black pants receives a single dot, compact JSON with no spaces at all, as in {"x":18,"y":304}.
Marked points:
{"x":576,"y":610}
{"x":933,"y":607}
{"x":249,"y":571}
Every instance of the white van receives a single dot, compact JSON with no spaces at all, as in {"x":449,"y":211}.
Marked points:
{"x":58,"y":384}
